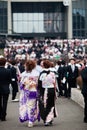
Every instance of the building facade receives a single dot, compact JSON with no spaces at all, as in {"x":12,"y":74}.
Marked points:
{"x":44,"y":18}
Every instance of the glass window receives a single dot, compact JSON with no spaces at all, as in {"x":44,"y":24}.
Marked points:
{"x":3,"y":16}
{"x":30,"y":26}
{"x":46,"y":26}
{"x":25,"y":25}
{"x":58,"y":25}
{"x":20,"y":26}
{"x":5,"y":22}
{"x":40,"y":16}
{"x":5,"y":11}
{"x":20,"y":16}
{"x":59,"y":16}
{"x":83,"y":12}
{"x":49,"y":26}
{"x":50,"y":16}
{"x":35,"y":16}
{"x":74,"y":33}
{"x":35,"y":26}
{"x":15,"y":27}
{"x":74,"y":25}
{"x":1,"y":11}
{"x":45,"y":16}
{"x":80,"y":6}
{"x":15,"y":16}
{"x":56,"y":16}
{"x":30,"y":16}
{"x":61,"y":27}
{"x":41,"y":26}
{"x":25,"y":16}
{"x":78,"y":33}
{"x":83,"y":33}
{"x":74,"y":11}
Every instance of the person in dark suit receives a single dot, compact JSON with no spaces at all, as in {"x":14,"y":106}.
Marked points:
{"x":5,"y":80}
{"x":84,"y":91}
{"x":14,"y":79}
{"x":72,"y":74}
{"x":62,"y":75}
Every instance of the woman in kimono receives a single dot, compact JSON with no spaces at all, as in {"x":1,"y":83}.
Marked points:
{"x":47,"y":94}
{"x":28,"y":106}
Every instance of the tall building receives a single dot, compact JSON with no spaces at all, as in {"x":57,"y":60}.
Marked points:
{"x":44,"y":18}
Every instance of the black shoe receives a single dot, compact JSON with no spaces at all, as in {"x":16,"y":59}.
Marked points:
{"x":49,"y":123}
{"x":3,"y":119}
{"x":85,"y":120}
{"x":46,"y":124}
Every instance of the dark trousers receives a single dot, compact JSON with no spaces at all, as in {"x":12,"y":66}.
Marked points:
{"x":71,"y":84}
{"x":65,"y":89}
{"x":14,"y":89}
{"x":60,"y":88}
{"x":85,"y":107}
{"x":14,"y":93}
{"x":3,"y":105}
{"x":69,"y":90}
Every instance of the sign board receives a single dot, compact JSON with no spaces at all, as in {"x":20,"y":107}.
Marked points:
{"x":66,"y":2}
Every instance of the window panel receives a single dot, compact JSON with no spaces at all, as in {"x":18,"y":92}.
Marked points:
{"x":41,"y":16}
{"x":74,"y":33}
{"x":15,"y":16}
{"x":20,"y":26}
{"x":45,"y":21}
{"x":45,"y":16}
{"x":30,"y":16}
{"x":20,"y":17}
{"x":25,"y":16}
{"x":41,"y":26}
{"x":50,"y":16}
{"x":5,"y":11}
{"x":35,"y":16}
{"x":74,"y":11}
{"x":30,"y":27}
{"x":56,"y":16}
{"x":46,"y":26}
{"x":83,"y":33}
{"x":15,"y":26}
{"x":58,"y":25}
{"x":35,"y":26}
{"x":83,"y":13}
{"x":25,"y":25}
{"x":5,"y":22}
{"x":1,"y":11}
{"x":61,"y":27}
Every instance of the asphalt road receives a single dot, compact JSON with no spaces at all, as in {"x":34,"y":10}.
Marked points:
{"x":70,"y":117}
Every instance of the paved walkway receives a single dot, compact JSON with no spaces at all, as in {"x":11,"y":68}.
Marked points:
{"x":70,"y":117}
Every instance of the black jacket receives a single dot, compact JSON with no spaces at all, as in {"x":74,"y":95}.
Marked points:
{"x":84,"y":81}
{"x":5,"y":80}
{"x":72,"y":76}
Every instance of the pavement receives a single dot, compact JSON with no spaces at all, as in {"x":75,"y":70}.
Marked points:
{"x":70,"y":117}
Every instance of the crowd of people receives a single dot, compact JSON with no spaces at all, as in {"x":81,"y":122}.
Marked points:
{"x":41,"y":71}
{"x":47,"y":48}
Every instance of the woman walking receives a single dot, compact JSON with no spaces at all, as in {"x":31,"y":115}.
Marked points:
{"x":28,"y":106}
{"x":47,"y":96}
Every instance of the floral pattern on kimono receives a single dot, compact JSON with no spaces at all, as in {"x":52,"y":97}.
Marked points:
{"x":28,"y":104}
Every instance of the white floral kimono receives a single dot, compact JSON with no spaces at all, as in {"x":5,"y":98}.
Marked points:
{"x":28,"y":104}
